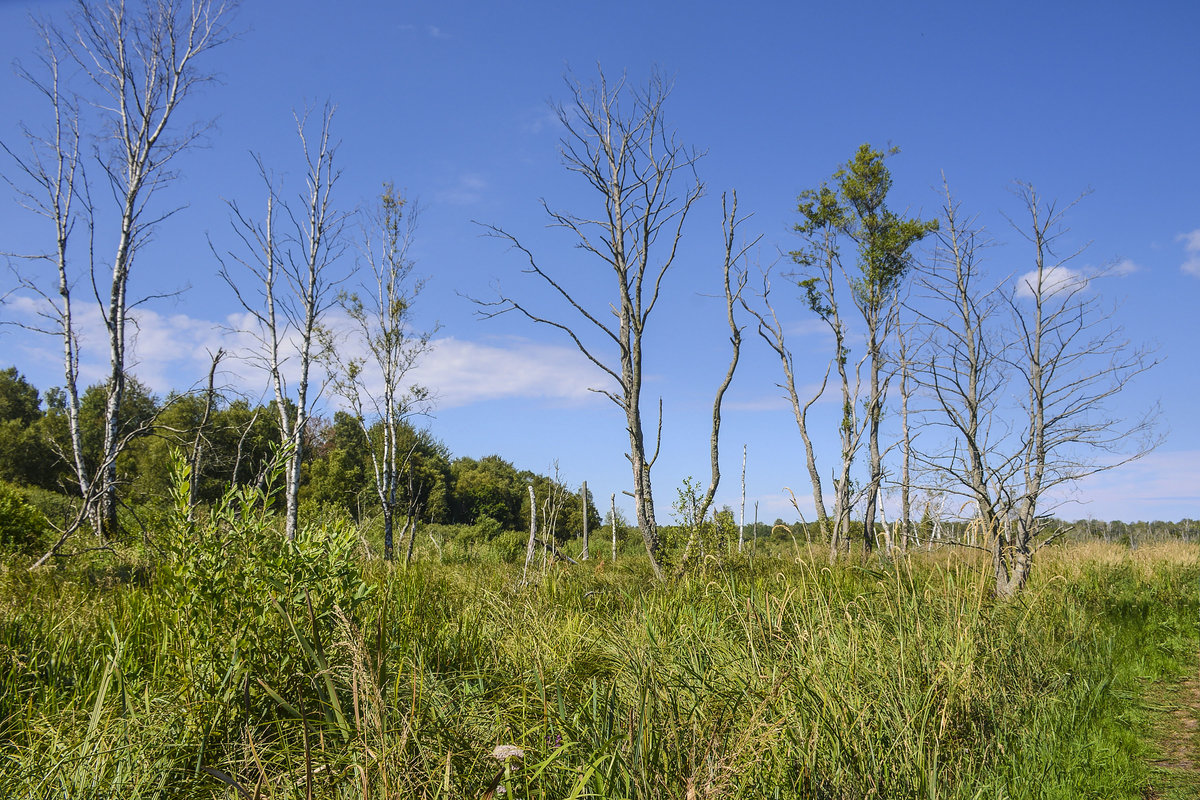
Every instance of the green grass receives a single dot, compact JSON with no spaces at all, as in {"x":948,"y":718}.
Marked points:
{"x":773,"y":679}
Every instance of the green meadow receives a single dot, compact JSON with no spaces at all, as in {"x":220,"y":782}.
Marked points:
{"x":233,"y":664}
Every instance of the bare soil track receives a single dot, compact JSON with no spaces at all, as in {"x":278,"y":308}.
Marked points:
{"x":1175,"y":773}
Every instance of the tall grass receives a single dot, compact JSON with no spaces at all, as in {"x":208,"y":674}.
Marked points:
{"x":779,"y":678}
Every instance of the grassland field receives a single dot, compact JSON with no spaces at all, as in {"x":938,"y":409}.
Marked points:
{"x":309,"y":671}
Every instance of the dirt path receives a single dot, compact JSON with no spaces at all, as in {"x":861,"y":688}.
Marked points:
{"x":1176,"y":772}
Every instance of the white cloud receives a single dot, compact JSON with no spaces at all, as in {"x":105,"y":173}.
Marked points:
{"x":172,"y":352}
{"x":1125,"y":267}
{"x":463,"y":373}
{"x":1191,"y":245}
{"x":1054,"y":280}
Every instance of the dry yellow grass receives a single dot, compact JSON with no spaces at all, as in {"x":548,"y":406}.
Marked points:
{"x":1070,"y":560}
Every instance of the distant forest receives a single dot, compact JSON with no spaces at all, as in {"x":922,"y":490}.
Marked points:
{"x":234,"y":442}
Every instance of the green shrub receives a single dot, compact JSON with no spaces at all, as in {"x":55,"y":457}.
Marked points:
{"x":59,"y":509}
{"x":23,"y":529}
{"x":255,"y":606}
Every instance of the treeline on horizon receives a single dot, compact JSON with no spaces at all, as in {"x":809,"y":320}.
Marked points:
{"x":238,"y":444}
{"x":239,"y":441}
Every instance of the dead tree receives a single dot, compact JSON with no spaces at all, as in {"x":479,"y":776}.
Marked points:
{"x":49,"y":182}
{"x":532,"y":533}
{"x":137,"y":63}
{"x":907,"y":387}
{"x":583,"y":503}
{"x":612,"y":500}
{"x":734,"y":280}
{"x":617,"y":141}
{"x":197,"y":451}
{"x":962,"y":367}
{"x":293,"y":285}
{"x":1046,"y":333}
{"x":1072,"y":360}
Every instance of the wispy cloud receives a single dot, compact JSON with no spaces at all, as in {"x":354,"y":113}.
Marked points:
{"x":432,"y":31}
{"x":1124,"y":267}
{"x":1191,"y":246}
{"x":809,"y":326}
{"x":466,"y":190}
{"x":544,"y":118}
{"x":1054,"y":280}
{"x":780,"y":402}
{"x":464,"y":373}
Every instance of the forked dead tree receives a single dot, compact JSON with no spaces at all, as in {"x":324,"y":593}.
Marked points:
{"x":645,"y":182}
{"x":821,"y":264}
{"x":293,"y":285}
{"x":1050,"y":336}
{"x":1073,"y":360}
{"x":137,"y":64}
{"x":962,"y":367}
{"x":734,"y":280}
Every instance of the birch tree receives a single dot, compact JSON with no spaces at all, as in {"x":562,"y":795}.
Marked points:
{"x":48,"y":181}
{"x":137,"y":63}
{"x":374,"y":386}
{"x":293,"y":258}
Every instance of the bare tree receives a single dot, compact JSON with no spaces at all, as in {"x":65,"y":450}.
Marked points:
{"x":532,"y":533}
{"x":907,"y":387}
{"x":616,"y":139}
{"x":375,"y":386}
{"x":963,"y":368}
{"x":198,"y":442}
{"x":612,"y":501}
{"x":583,"y":503}
{"x":734,"y":281}
{"x":1050,"y":336}
{"x":294,"y":286}
{"x":1073,"y":360}
{"x":137,"y":63}
{"x":50,"y":184}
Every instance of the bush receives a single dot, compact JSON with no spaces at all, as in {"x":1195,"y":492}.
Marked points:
{"x":251,"y":602}
{"x":23,"y":529}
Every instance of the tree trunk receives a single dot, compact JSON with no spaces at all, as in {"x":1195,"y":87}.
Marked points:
{"x":387,"y":532}
{"x":532,"y":533}
{"x":613,"y":513}
{"x":583,"y":499}
{"x":742,"y":516}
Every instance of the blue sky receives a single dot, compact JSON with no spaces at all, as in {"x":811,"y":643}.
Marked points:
{"x":449,"y":101}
